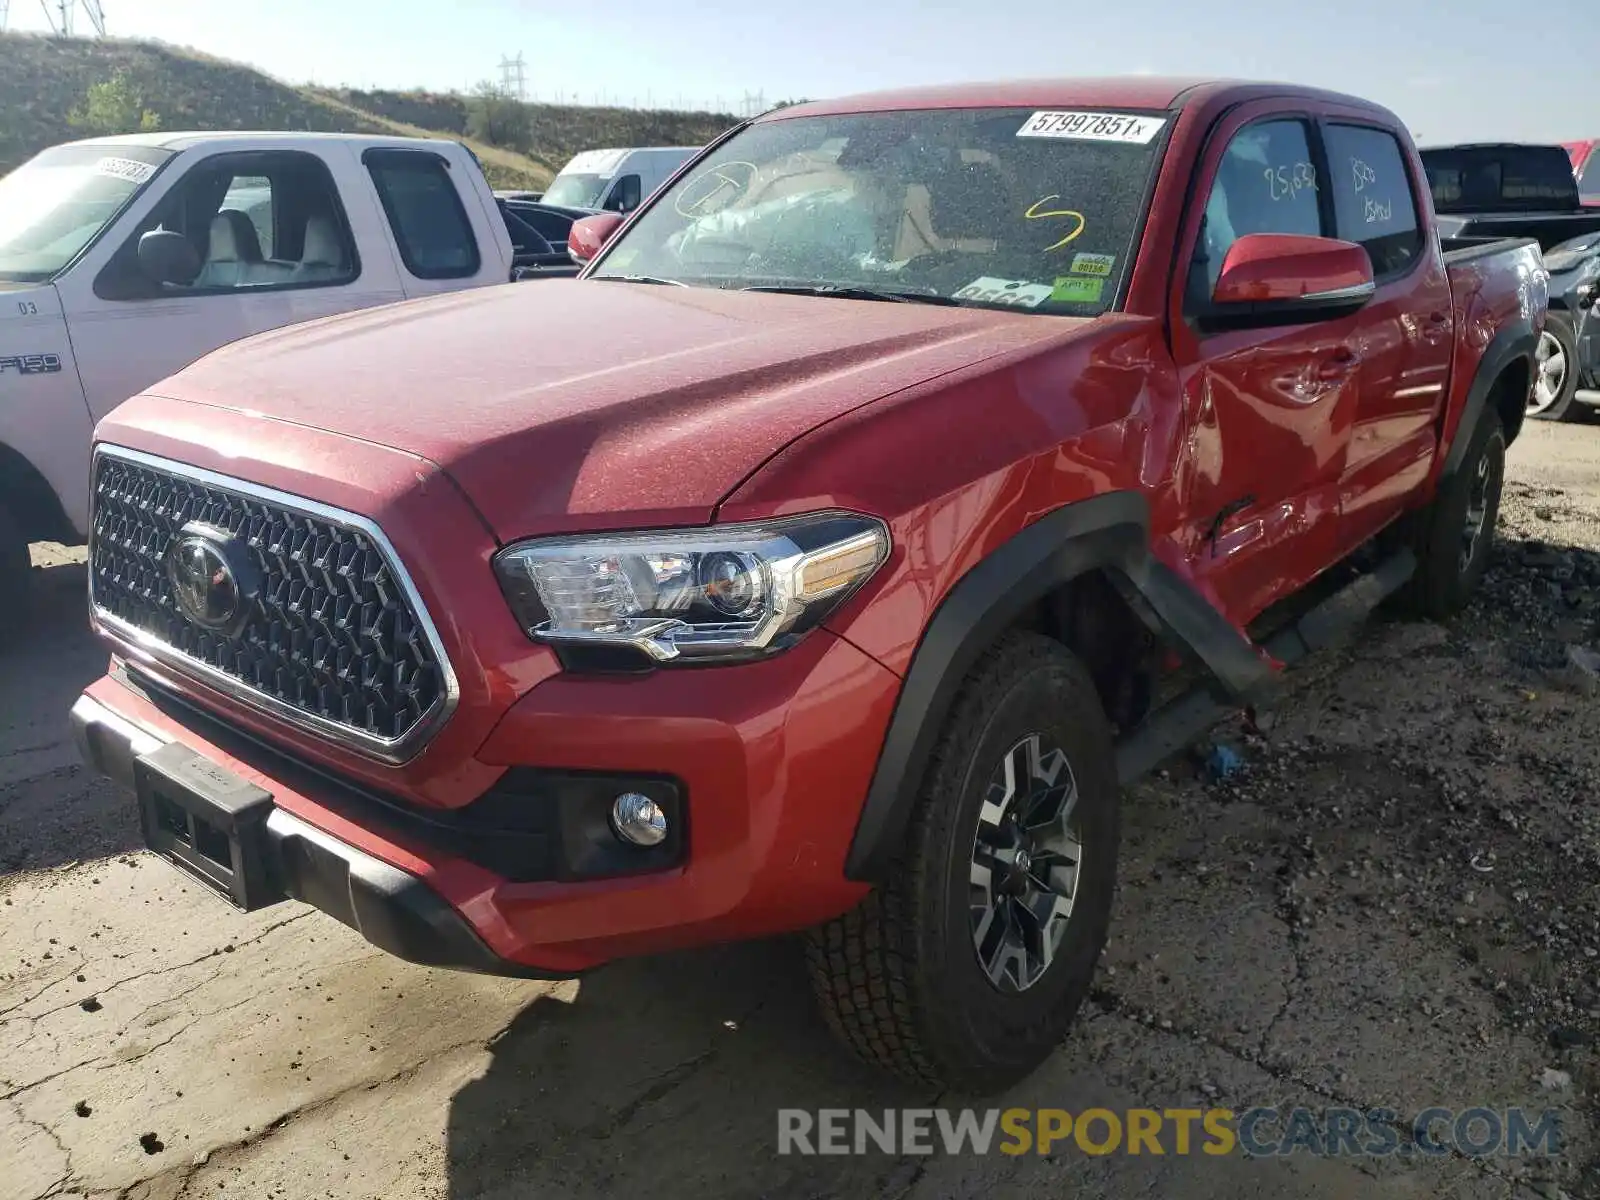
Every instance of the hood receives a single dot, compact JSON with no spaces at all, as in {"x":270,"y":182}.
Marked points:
{"x":570,"y":405}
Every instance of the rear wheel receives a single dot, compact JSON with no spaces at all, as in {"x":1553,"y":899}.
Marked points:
{"x":1456,"y":531}
{"x":1556,"y":372}
{"x":966,"y":967}
{"x":16,"y":572}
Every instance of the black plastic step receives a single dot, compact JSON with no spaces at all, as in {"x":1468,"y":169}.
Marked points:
{"x":1190,"y":716}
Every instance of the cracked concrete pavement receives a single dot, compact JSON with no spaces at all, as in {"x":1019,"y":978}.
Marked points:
{"x":1312,"y":932}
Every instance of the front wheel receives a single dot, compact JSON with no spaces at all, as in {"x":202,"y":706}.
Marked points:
{"x":966,"y":967}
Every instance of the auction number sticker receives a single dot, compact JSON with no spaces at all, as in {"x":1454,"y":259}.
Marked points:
{"x":1093,"y":264}
{"x":1017,"y":292}
{"x":125,"y":168}
{"x":1092,"y":126}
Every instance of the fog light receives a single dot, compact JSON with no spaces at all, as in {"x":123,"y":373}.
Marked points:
{"x":638,"y":819}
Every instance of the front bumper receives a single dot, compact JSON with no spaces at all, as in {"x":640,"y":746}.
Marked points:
{"x":770,"y":761}
{"x":391,"y":908}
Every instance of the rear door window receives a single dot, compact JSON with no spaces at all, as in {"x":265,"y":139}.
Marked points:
{"x":424,"y":210}
{"x":1373,"y":202}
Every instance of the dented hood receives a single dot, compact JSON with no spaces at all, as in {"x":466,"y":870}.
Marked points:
{"x":565,"y":405}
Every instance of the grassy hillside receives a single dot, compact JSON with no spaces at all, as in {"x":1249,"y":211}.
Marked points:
{"x":556,"y":131}
{"x":43,"y":79}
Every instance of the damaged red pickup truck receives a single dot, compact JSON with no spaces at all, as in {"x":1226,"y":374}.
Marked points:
{"x":910,"y":472}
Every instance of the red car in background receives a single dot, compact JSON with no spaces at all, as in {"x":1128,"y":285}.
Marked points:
{"x":1586,"y":166}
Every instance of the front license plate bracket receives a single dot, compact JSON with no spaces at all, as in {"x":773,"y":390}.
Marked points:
{"x":209,"y":822}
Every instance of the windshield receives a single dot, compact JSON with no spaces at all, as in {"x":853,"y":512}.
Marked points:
{"x":1500,"y":178}
{"x":576,"y":191}
{"x":584,"y":179}
{"x":54,"y":205}
{"x":989,"y":207}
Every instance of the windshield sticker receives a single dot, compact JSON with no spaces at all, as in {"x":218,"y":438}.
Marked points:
{"x":1016,"y":292}
{"x":1093,"y":127}
{"x":1037,"y":212}
{"x":1093,"y":264}
{"x":124,"y":168}
{"x":1072,"y":289}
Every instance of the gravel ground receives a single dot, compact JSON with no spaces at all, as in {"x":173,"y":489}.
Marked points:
{"x":1395,"y":903}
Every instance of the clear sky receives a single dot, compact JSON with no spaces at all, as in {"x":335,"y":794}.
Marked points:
{"x":1453,"y":69}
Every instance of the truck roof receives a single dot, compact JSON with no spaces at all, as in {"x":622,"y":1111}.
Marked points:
{"x":1114,"y":91}
{"x":184,"y":139}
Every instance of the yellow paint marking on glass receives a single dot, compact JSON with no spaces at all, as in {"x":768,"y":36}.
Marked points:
{"x":1037,"y":212}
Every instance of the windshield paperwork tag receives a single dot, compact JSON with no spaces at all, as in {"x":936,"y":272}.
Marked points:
{"x":1017,"y":292}
{"x":1092,"y":126}
{"x":125,"y":168}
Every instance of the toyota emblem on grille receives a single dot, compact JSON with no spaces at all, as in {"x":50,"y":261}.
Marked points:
{"x":213,"y":576}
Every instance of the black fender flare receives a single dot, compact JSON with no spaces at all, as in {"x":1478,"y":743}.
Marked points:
{"x":1108,"y":532}
{"x":1517,"y":340}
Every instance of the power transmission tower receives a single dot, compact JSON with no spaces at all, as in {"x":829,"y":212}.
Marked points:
{"x":755,"y":104}
{"x":512,"y":77}
{"x":5,"y":10}
{"x":61,"y":19}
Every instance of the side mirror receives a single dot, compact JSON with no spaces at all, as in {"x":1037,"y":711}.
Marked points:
{"x":590,"y":234}
{"x":626,"y":194}
{"x":1289,"y":277}
{"x":167,"y":257}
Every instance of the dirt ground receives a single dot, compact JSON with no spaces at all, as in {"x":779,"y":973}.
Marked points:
{"x":1395,"y":904}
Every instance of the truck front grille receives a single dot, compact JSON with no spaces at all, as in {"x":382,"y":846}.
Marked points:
{"x":330,"y":634}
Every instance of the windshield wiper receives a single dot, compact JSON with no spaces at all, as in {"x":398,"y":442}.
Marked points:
{"x":847,"y":292}
{"x":640,"y":279}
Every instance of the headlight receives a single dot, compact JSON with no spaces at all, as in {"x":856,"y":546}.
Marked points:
{"x":728,"y":591}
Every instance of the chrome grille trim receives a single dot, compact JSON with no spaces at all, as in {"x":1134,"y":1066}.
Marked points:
{"x":141,"y":644}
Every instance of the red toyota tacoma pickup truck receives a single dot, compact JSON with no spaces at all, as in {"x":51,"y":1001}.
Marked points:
{"x":908,"y":474}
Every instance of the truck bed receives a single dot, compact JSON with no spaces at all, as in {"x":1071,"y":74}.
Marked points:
{"x":1546,"y":228}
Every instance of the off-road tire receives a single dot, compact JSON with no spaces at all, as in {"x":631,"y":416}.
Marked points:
{"x":1559,"y":325}
{"x":16,"y":577}
{"x":1444,"y":581}
{"x":898,"y":978}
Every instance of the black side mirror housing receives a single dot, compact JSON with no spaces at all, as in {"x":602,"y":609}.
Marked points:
{"x":625,"y":195}
{"x":167,"y":257}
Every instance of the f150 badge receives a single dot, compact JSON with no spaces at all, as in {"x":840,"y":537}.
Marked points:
{"x":31,"y":364}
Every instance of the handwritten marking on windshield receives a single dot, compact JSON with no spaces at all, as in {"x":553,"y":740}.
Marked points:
{"x":724,"y":176}
{"x":1036,"y":212}
{"x":1363,"y":174}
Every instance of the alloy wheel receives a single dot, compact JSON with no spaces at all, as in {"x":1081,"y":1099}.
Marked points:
{"x":1550,"y":362}
{"x":1026,"y":858}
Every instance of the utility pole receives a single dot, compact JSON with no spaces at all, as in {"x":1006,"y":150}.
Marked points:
{"x":5,"y":10}
{"x":512,"y":76}
{"x":61,"y":19}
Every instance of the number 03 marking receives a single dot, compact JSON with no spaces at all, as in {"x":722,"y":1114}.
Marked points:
{"x":27,"y":308}
{"x":1037,"y":212}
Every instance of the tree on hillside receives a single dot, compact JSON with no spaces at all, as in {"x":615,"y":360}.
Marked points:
{"x":495,"y":116}
{"x":114,"y":105}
